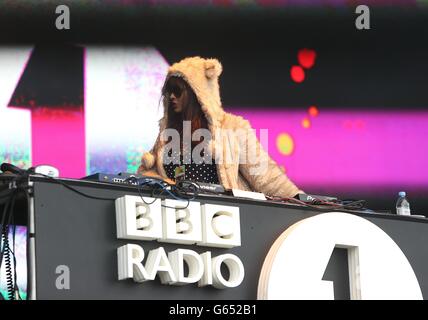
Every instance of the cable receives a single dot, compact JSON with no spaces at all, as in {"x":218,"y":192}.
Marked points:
{"x":10,"y":195}
{"x":186,"y":186}
{"x":322,"y":205}
{"x":155,"y":184}
{"x":161,"y":188}
{"x":3,"y":225}
{"x":6,"y":252}
{"x":15,"y":271}
{"x":178,"y":191}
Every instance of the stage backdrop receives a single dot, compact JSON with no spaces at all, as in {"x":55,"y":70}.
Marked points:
{"x":101,"y":113}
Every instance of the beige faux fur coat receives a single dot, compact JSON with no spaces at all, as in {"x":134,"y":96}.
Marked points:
{"x":241,"y":161}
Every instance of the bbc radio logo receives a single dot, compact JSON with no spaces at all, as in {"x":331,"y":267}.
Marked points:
{"x":179,"y":222}
{"x":292,"y":269}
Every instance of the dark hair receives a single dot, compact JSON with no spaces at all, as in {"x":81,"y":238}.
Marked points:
{"x":192,"y":110}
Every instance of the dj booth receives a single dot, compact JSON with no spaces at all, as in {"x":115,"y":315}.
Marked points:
{"x":78,"y":249}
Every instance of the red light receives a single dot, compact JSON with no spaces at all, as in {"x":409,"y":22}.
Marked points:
{"x":306,"y":58}
{"x":313,"y":111}
{"x":297,"y":74}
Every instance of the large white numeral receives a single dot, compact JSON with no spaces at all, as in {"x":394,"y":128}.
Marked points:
{"x":296,"y":262}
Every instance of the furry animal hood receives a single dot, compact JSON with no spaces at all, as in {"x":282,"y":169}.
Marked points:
{"x":202,"y":76}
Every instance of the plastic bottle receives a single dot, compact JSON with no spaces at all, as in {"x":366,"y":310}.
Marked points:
{"x":402,"y":206}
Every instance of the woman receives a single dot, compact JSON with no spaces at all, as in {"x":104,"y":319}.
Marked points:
{"x":232,"y":155}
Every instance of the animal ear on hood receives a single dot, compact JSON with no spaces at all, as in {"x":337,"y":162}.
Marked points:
{"x":213,"y":68}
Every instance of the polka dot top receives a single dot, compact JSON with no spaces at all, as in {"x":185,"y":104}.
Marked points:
{"x":198,"y":172}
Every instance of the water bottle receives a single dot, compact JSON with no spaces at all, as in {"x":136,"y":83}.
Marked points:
{"x":403,"y":206}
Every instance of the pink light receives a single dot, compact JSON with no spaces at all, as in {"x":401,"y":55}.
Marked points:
{"x":58,"y":139}
{"x":351,"y":149}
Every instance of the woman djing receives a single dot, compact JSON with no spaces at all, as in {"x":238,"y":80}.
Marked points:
{"x":203,"y":143}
